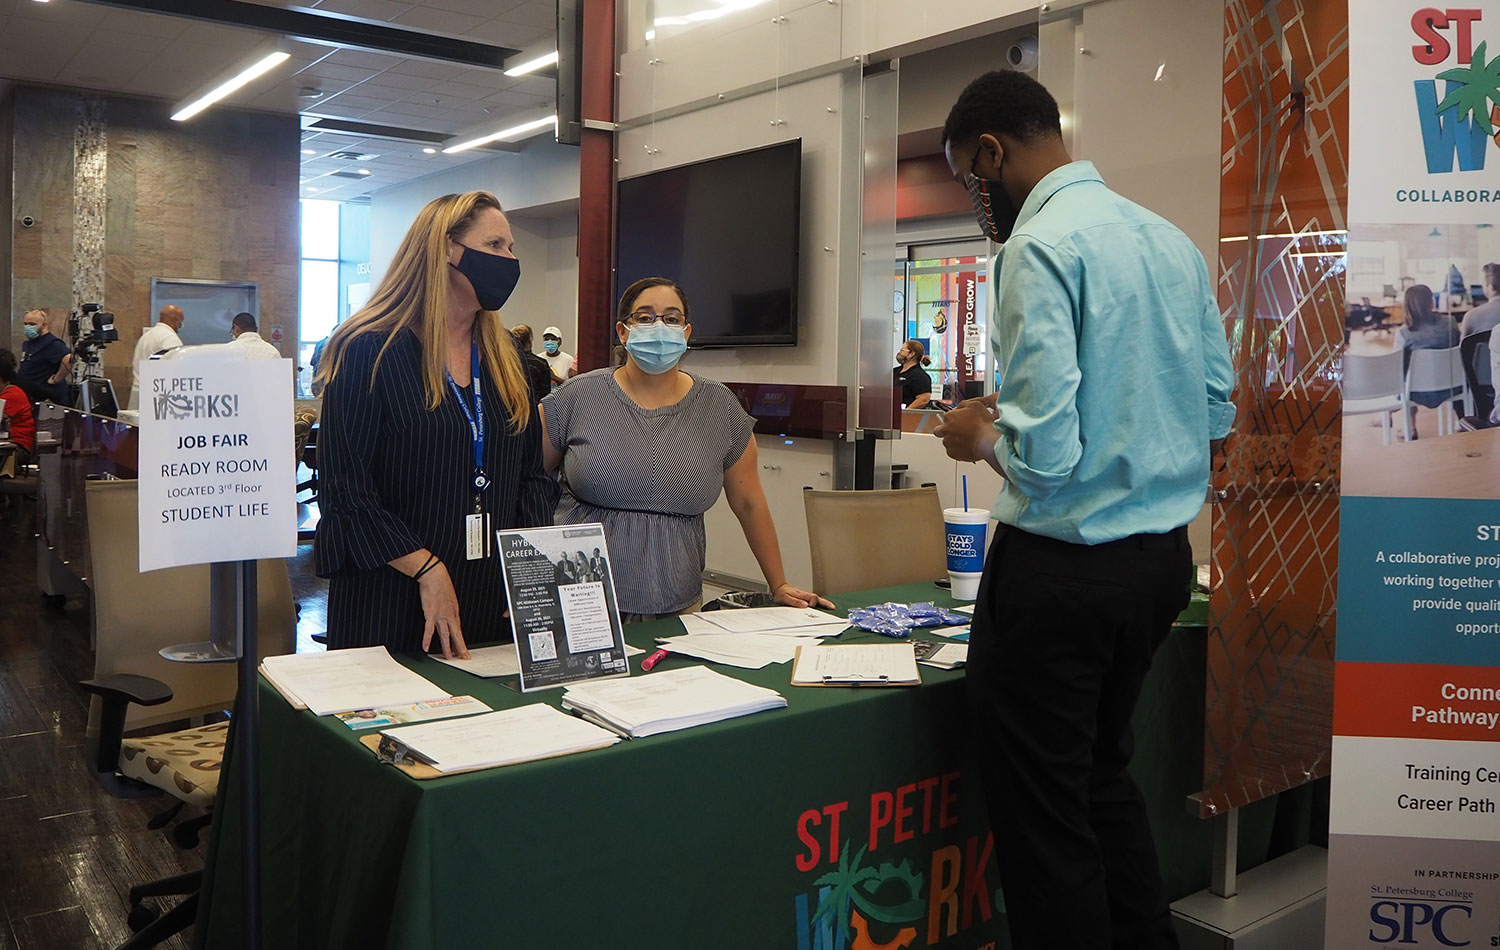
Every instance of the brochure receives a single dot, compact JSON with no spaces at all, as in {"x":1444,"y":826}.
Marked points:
{"x":445,"y":708}
{"x":562,"y":605}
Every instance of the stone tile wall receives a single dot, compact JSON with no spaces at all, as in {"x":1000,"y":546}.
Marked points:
{"x":122,"y":194}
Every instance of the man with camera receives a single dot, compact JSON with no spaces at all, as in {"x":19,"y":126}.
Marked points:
{"x":157,"y":338}
{"x":45,"y":361}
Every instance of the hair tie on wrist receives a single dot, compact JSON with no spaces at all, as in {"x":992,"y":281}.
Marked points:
{"x":432,"y":561}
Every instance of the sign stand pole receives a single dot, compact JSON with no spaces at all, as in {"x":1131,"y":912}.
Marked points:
{"x":247,"y":709}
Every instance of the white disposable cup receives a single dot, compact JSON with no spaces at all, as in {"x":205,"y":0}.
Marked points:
{"x":967,"y":532}
{"x":964,"y":586}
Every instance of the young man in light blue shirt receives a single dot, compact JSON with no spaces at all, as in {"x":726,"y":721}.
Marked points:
{"x":1115,"y":388}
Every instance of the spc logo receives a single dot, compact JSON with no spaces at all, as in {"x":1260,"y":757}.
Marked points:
{"x":1469,"y":112}
{"x":1408,"y":922}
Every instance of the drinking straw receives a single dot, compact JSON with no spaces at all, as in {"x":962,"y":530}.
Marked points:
{"x":966,"y":493}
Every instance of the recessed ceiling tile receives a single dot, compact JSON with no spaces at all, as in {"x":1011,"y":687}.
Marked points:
{"x":369,"y":9}
{"x":353,"y":57}
{"x":479,"y":8}
{"x":405,"y":109}
{"x":433,"y":71}
{"x":73,"y":14}
{"x":149,"y":24}
{"x":407,"y":84}
{"x":332,"y":71}
{"x":535,"y":13}
{"x":349,"y":100}
{"x":439,"y":21}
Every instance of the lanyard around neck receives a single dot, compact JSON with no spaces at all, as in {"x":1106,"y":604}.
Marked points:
{"x":474,"y":417}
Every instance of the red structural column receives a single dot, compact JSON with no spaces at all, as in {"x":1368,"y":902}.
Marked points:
{"x":596,"y":188}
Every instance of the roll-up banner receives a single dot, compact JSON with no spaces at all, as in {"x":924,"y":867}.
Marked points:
{"x":1414,"y":852}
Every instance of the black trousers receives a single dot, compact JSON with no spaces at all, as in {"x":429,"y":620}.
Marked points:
{"x":1063,"y":637}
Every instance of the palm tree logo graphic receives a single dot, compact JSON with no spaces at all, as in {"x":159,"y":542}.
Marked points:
{"x":1475,"y":92}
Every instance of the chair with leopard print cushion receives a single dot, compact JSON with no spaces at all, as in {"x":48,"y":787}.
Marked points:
{"x":184,"y":765}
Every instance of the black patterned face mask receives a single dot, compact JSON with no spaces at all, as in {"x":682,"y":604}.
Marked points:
{"x":995,"y":213}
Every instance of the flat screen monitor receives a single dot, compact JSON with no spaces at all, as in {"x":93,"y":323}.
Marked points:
{"x":727,"y":230}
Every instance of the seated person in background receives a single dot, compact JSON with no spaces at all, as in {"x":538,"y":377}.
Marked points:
{"x":537,"y":373}
{"x":1486,"y":315}
{"x":1424,"y":329}
{"x":45,"y":361}
{"x":646,"y":449}
{"x":914,"y":381}
{"x":16,"y":407}
{"x":244,"y":335}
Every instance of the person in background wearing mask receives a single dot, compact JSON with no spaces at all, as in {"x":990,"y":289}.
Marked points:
{"x":428,"y":442}
{"x":563,"y":365}
{"x":242,"y":331}
{"x":914,"y":381}
{"x":537,"y":373}
{"x":1115,"y":396}
{"x":157,"y":338}
{"x":45,"y":361}
{"x":646,"y":449}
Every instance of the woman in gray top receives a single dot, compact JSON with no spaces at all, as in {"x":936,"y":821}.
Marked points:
{"x":646,"y":449}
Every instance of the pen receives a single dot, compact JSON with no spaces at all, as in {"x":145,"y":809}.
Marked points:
{"x":653,"y":659}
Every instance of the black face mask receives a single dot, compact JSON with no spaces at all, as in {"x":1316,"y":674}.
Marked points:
{"x":995,"y":213}
{"x":493,"y":277}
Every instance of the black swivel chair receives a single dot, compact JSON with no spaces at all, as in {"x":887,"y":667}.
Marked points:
{"x":184,"y":765}
{"x":1475,"y":353}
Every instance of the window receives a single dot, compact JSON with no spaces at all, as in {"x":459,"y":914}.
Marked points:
{"x":335,"y":273}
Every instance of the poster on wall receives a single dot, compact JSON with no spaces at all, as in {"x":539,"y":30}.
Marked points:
{"x":217,"y":481}
{"x":1414,"y":850}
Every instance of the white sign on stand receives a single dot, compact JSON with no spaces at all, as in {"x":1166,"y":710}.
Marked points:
{"x":217,"y":481}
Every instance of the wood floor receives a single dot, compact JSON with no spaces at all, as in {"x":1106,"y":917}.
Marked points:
{"x":69,"y":852}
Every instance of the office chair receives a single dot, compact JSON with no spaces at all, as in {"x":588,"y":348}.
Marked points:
{"x":864,"y":539}
{"x":185,"y":765}
{"x":1475,"y":349}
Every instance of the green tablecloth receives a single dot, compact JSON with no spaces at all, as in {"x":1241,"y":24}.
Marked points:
{"x":711,"y":837}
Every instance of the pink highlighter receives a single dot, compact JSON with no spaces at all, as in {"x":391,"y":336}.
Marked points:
{"x":652,"y":660}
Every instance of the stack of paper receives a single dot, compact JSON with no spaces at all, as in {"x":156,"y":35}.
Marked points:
{"x":500,"y":660}
{"x":783,"y":621}
{"x":752,"y":638}
{"x":944,"y":656}
{"x":669,"y":700}
{"x":498,"y":738}
{"x":450,"y":707}
{"x":346,"y":680}
{"x":856,"y":664}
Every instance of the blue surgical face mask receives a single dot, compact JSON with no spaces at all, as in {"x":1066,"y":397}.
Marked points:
{"x":656,"y":348}
{"x":551,"y":346}
{"x":32,"y":332}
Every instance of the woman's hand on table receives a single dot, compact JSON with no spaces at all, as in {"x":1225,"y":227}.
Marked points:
{"x":440,"y":610}
{"x":790,"y":596}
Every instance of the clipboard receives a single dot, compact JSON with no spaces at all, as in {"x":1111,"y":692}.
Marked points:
{"x":423,"y":771}
{"x":856,"y":664}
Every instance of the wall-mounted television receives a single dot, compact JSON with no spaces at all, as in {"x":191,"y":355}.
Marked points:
{"x":727,"y":230}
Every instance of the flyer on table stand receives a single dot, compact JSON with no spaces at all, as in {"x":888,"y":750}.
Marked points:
{"x":562,"y":605}
{"x":1414,"y":850}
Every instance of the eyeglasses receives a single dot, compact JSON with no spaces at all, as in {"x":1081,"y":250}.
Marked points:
{"x":645,"y":318}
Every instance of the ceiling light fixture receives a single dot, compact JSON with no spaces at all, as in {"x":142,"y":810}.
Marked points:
{"x":363,"y":171}
{"x":429,"y":151}
{"x":309,"y":151}
{"x":265,"y":58}
{"x":532,"y":65}
{"x":463,"y":143}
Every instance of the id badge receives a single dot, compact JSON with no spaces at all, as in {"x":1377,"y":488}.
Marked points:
{"x":476,"y":536}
